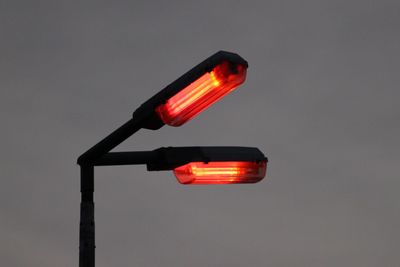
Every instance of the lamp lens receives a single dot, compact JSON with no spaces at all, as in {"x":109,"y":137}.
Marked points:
{"x":202,"y":93}
{"x":226,"y":172}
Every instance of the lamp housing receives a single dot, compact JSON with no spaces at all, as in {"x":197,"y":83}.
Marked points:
{"x":211,"y":165}
{"x":194,"y":91}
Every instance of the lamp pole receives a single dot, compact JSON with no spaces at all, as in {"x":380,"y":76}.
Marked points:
{"x":86,"y":161}
{"x":86,"y":226}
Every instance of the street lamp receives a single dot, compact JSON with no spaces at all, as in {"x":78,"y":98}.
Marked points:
{"x":177,"y":103}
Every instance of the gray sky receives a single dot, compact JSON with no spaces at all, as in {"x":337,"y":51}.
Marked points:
{"x":321,"y":101}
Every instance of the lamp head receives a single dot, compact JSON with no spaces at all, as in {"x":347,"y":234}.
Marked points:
{"x":212,"y":165}
{"x":194,"y":91}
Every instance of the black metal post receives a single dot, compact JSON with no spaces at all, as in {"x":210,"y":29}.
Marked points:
{"x":86,"y":226}
{"x":86,"y":161}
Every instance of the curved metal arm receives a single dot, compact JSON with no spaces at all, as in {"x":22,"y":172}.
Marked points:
{"x":110,"y":142}
{"x":127,"y":158}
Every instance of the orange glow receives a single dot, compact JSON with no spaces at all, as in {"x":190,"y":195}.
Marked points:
{"x":225,"y":172}
{"x":202,"y":93}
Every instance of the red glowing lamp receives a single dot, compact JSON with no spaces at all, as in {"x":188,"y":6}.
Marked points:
{"x":226,"y":172}
{"x":211,"y":165}
{"x":194,"y":91}
{"x":202,"y":93}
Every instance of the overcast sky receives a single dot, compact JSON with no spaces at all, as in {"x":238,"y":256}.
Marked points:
{"x":321,"y":100}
